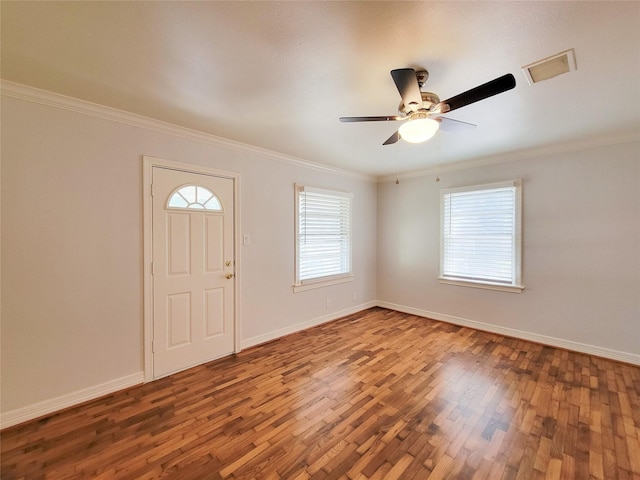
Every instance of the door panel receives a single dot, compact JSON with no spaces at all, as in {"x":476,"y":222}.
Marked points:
{"x":179,"y":243}
{"x":215,"y":311}
{"x":178,"y":319}
{"x":214,"y":229}
{"x":193,"y":300}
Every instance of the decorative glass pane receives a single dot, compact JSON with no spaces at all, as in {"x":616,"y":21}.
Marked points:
{"x":189,"y":193}
{"x":195,"y":197}
{"x":202,"y":194}
{"x":213,"y":204}
{"x":178,"y":201}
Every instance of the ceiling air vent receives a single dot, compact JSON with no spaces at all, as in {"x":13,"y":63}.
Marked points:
{"x":563,"y":62}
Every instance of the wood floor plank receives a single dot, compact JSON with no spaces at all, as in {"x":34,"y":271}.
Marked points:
{"x":375,"y":395}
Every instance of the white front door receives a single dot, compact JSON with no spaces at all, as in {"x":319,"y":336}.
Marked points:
{"x":193,"y":269}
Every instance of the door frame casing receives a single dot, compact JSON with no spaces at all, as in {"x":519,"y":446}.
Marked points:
{"x":148,"y":163}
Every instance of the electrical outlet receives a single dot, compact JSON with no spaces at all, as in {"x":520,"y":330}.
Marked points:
{"x":354,"y":296}
{"x":328,"y":303}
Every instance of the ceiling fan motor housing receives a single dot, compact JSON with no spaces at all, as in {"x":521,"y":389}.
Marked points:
{"x":428,"y":99}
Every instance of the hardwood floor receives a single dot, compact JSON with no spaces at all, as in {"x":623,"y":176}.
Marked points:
{"x":376,"y":395}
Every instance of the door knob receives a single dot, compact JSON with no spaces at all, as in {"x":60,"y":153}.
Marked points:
{"x":228,"y":276}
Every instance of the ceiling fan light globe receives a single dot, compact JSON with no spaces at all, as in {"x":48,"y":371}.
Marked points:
{"x":419,"y":130}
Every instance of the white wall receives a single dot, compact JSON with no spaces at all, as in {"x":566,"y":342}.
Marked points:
{"x":72,"y":250}
{"x":581,"y":251}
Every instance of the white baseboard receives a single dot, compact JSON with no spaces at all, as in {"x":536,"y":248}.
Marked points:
{"x":267,"y":337}
{"x":510,"y":332}
{"x":14,"y":417}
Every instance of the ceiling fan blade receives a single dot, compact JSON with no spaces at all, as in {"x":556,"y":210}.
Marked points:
{"x":454,"y":126}
{"x":486,"y":90}
{"x":407,"y":84}
{"x":392,"y":139}
{"x":371,"y":119}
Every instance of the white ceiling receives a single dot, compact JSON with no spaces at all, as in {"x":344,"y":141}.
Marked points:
{"x":277,"y":75}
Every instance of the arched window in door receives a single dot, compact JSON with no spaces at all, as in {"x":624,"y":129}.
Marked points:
{"x":194,"y":197}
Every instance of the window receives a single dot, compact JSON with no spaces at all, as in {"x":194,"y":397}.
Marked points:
{"x":323,"y":237}
{"x":480,"y":236}
{"x":194,"y":197}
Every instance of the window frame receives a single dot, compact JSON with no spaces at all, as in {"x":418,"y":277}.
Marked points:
{"x":516,"y":282}
{"x":321,"y":281}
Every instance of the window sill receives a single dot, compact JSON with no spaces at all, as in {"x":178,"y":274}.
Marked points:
{"x":485,"y":285}
{"x":311,"y":284}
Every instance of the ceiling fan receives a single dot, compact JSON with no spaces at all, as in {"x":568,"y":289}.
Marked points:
{"x":417,"y":107}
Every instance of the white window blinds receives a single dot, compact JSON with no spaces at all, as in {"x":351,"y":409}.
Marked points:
{"x":481,"y":233}
{"x":323,"y":234}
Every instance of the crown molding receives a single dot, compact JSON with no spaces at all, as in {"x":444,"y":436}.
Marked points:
{"x":528,"y":154}
{"x":56,"y":100}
